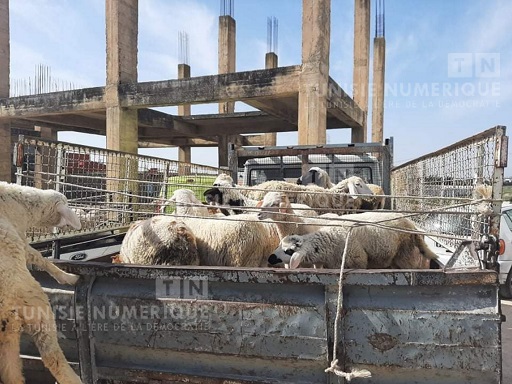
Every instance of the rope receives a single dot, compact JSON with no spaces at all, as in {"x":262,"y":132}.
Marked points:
{"x":335,"y":368}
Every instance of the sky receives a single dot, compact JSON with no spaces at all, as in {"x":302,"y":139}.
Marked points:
{"x":448,"y":63}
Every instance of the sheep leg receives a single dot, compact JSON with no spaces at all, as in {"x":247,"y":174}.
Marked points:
{"x":39,"y":322}
{"x":10,"y":362}
{"x":34,"y":257}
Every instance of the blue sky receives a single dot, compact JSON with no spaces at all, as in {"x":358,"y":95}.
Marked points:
{"x":448,"y":63}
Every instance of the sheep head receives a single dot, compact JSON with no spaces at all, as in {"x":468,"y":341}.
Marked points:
{"x":28,"y":206}
{"x":224,"y":179}
{"x":272,"y":205}
{"x":316,"y":176}
{"x":288,"y":252}
{"x":356,"y":186}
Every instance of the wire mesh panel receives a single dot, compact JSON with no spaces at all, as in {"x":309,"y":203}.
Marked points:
{"x":455,"y":192}
{"x":107,"y":189}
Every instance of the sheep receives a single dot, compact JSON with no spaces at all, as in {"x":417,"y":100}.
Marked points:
{"x":276,"y":206}
{"x":320,"y":177}
{"x":341,"y":198}
{"x":317,"y":176}
{"x":222,"y":195}
{"x":232,"y":241}
{"x":369,"y":246}
{"x":160,"y":240}
{"x":24,"y":207}
{"x":377,"y":202}
{"x":224,"y":179}
{"x":24,"y":305}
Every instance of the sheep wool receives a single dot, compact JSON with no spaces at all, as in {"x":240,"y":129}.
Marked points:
{"x":369,"y":246}
{"x":160,"y":240}
{"x":231,"y":241}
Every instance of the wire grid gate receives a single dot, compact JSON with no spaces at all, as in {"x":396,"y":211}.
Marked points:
{"x":443,"y":186}
{"x":107,"y":189}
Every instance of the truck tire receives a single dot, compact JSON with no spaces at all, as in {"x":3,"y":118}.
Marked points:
{"x":506,"y":289}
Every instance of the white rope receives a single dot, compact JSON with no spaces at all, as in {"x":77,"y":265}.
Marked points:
{"x":335,"y":368}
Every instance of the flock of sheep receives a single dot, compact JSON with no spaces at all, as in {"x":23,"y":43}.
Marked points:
{"x":275,"y":224}
{"x":279,"y":224}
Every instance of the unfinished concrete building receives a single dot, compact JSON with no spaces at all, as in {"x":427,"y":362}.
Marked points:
{"x":300,"y":97}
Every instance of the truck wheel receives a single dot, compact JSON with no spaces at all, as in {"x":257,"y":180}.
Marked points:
{"x":506,"y":289}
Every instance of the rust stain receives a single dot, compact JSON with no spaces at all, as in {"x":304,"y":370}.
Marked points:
{"x":382,"y":341}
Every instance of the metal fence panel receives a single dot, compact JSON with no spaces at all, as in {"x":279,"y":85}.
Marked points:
{"x":441,"y":188}
{"x":269,"y":326}
{"x":107,"y":189}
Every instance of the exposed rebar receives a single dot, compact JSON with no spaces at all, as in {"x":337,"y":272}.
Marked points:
{"x":272,"y":34}
{"x":183,"y":52}
{"x":380,"y":19}
{"x":227,"y":7}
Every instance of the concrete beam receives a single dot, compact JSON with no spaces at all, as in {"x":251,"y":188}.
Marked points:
{"x":279,"y":82}
{"x":314,"y":76}
{"x":341,"y":106}
{"x":87,"y":99}
{"x":361,"y":63}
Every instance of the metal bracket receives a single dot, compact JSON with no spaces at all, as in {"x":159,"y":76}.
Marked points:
{"x":469,"y":259}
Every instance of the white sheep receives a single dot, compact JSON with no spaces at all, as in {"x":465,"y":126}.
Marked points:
{"x":226,"y":195}
{"x":377,"y":202}
{"x":224,"y":179}
{"x":342,"y":198}
{"x":160,"y":240}
{"x":23,"y":304}
{"x":369,"y":246}
{"x":276,"y":206}
{"x":233,"y":241}
{"x":355,"y":185}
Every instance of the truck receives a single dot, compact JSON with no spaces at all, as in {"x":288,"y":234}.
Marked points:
{"x":153,"y":324}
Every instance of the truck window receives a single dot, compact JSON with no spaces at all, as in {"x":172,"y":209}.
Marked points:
{"x":364,"y":173}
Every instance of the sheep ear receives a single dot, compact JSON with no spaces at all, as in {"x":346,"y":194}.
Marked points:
{"x":295,"y":260}
{"x":259,"y":204}
{"x":68,"y":217}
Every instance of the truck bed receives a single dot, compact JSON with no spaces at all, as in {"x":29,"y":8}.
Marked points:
{"x":274,"y":326}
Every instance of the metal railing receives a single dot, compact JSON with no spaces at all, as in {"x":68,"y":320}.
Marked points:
{"x":444,"y":188}
{"x":107,"y":189}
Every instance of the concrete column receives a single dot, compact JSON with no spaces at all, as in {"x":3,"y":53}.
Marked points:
{"x":314,"y":77}
{"x":227,"y":64}
{"x":184,"y":153}
{"x":5,"y":126}
{"x":270,"y":139}
{"x":122,"y":30}
{"x":121,"y":123}
{"x":379,"y":69}
{"x":361,"y":63}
